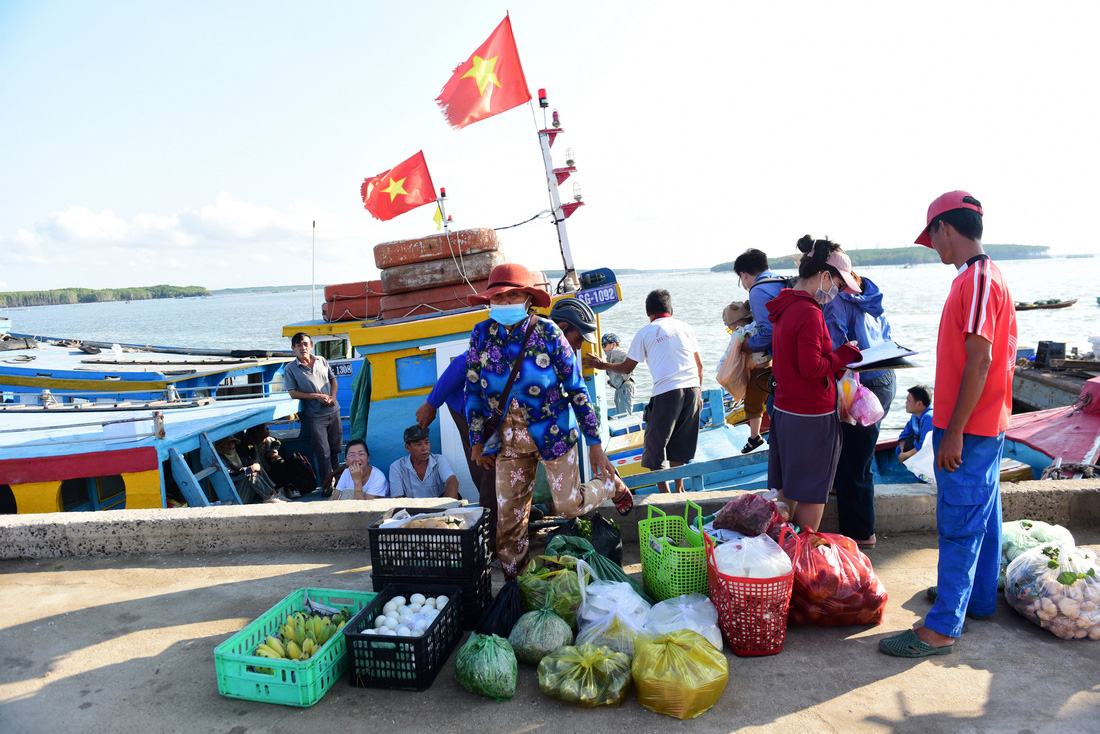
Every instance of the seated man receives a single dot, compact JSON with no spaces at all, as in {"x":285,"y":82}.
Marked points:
{"x":912,"y":437}
{"x":251,"y":481}
{"x":421,"y":473}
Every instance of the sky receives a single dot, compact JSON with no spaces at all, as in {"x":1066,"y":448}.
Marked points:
{"x":196,"y":143}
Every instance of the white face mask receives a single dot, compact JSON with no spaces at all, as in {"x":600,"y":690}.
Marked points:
{"x":823,"y":296}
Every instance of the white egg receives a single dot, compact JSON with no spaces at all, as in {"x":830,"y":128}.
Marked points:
{"x":379,"y":621}
{"x":398,"y":600}
{"x":403,"y":609}
{"x":430,"y":614}
{"x":390,"y":623}
{"x":414,"y":607}
{"x":392,"y":614}
{"x":403,"y":631}
{"x":429,"y":602}
{"x":441,"y":601}
{"x":417,"y":599}
{"x":389,"y":606}
{"x":421,"y":624}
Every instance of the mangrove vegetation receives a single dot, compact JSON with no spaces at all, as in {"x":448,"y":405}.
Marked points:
{"x":63,"y":296}
{"x":904,"y":256}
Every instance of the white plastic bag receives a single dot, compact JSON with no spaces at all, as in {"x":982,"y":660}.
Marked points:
{"x":612,"y":615}
{"x":1058,"y":588}
{"x":754,"y":558}
{"x":693,"y":612}
{"x":733,"y":369}
{"x":923,"y":463}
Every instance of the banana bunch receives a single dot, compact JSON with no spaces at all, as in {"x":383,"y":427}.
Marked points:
{"x":301,"y":636}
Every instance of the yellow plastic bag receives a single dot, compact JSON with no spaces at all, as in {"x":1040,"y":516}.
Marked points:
{"x":679,"y":674}
{"x":587,"y":675}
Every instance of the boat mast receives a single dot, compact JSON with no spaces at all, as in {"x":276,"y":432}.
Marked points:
{"x":555,"y":176}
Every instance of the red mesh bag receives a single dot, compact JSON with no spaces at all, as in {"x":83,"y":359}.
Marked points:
{"x":834,"y":583}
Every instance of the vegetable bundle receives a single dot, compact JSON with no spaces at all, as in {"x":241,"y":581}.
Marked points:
{"x":834,"y":583}
{"x":486,"y":665}
{"x":539,"y":633}
{"x":1023,"y":535}
{"x":1058,"y":588}
{"x":586,"y":675}
{"x":679,"y":674}
{"x":552,"y":574}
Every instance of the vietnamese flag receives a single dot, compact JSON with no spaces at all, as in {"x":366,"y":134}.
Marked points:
{"x":405,"y":186}
{"x":489,"y":82}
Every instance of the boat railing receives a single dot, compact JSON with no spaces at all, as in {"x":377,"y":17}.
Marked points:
{"x":695,"y":473}
{"x":172,"y":394}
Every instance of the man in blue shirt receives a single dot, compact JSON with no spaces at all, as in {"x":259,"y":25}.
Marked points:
{"x":450,"y":389}
{"x":763,"y":285}
{"x":912,"y":437}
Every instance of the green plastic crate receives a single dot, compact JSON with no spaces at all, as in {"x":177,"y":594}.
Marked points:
{"x":669,"y":570}
{"x":292,"y":682}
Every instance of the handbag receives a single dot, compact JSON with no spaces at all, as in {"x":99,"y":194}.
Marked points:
{"x":497,"y":415}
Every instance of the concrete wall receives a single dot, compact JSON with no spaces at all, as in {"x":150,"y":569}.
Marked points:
{"x":343,"y":525}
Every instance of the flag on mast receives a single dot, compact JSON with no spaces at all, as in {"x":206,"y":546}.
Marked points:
{"x":398,"y":190}
{"x":438,"y":218}
{"x":491,"y":81}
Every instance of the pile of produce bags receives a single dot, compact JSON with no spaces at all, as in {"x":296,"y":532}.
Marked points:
{"x":557,"y":574}
{"x":834,"y":583}
{"x":602,"y":567}
{"x":586,"y":675}
{"x":1057,"y":586}
{"x":693,"y":612}
{"x":1023,"y":535}
{"x":750,"y":514}
{"x":539,"y":633}
{"x":678,"y":674}
{"x":486,"y":665}
{"x":605,"y":536}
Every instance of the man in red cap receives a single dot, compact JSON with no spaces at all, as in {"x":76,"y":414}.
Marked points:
{"x":975,"y":355}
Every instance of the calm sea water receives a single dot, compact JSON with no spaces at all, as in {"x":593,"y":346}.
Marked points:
{"x":913,"y":298}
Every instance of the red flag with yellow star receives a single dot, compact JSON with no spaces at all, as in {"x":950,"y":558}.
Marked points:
{"x":486,"y":84}
{"x":405,"y":186}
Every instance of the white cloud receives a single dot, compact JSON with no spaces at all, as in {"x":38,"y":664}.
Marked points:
{"x":81,"y":224}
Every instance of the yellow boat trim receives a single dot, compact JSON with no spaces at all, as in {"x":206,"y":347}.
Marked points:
{"x":142,"y":493}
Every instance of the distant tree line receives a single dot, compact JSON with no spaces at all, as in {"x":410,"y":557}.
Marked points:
{"x":87,"y":295}
{"x":904,"y":255}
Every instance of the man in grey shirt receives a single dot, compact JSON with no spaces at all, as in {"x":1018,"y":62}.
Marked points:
{"x":311,"y":380}
{"x":622,"y":384}
{"x":421,"y":473}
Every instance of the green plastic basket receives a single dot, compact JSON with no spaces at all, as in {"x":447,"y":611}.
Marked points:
{"x":291,"y":682}
{"x":668,"y":569}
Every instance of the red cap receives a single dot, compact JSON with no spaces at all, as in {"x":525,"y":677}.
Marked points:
{"x":511,"y":277}
{"x":945,"y":203}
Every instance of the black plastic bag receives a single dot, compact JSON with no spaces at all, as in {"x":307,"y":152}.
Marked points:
{"x":605,"y":536}
{"x":502,"y":614}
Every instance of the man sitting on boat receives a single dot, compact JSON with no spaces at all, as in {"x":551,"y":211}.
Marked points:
{"x":252,"y":482}
{"x":918,"y":405}
{"x":422,"y":473}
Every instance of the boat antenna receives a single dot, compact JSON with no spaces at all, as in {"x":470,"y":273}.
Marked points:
{"x":313,"y":285}
{"x":555,"y":176}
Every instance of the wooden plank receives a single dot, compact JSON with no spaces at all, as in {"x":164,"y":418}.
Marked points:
{"x":185,"y":480}
{"x":219,"y":479}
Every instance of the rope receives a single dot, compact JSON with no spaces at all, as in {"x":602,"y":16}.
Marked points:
{"x":1067,"y":470}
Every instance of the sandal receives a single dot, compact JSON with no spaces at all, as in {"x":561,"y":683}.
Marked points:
{"x":624,"y":503}
{"x":908,"y":645}
{"x":752,"y":444}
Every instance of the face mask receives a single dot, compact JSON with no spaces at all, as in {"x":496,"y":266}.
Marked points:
{"x":823,"y":297}
{"x":509,"y":315}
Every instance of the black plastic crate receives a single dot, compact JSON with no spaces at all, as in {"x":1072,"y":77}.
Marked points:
{"x":450,"y":554}
{"x":403,"y":663}
{"x":475,"y":597}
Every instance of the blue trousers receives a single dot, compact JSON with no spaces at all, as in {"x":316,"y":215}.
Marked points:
{"x":968,"y":517}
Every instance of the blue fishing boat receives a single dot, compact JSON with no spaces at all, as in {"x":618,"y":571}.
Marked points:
{"x":99,"y":456}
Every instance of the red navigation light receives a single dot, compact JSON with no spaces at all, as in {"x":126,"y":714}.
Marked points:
{"x":442,"y":193}
{"x":542,"y":98}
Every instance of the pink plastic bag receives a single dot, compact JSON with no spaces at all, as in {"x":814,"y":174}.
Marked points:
{"x":846,"y":388}
{"x":866,"y":408}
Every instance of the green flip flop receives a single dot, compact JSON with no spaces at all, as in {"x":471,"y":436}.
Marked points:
{"x":908,"y":645}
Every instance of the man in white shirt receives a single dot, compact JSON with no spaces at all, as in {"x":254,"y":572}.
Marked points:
{"x":421,"y":473}
{"x":669,"y":348}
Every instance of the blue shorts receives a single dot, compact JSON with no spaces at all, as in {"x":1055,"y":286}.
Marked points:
{"x":968,"y":518}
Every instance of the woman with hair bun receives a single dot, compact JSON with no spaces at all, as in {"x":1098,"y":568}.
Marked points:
{"x":805,"y":428}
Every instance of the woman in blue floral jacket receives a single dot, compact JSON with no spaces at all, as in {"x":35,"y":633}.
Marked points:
{"x":541,"y":419}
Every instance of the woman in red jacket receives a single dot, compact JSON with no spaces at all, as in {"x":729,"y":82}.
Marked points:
{"x":805,"y":429}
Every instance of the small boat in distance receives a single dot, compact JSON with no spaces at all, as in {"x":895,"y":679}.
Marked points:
{"x":1052,"y":303}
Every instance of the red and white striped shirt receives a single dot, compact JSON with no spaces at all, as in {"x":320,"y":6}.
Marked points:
{"x":978,"y":303}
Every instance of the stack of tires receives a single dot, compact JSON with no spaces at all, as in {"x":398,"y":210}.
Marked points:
{"x":438,"y":273}
{"x":352,"y":301}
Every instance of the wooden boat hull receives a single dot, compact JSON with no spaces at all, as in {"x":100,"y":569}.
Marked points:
{"x":1039,"y":306}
